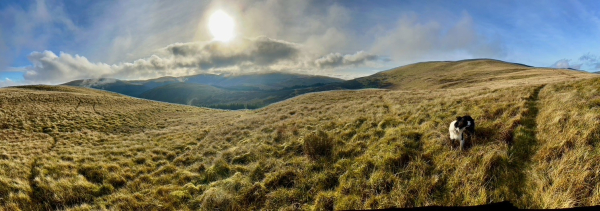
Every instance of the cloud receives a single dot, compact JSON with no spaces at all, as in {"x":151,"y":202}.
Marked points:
{"x":49,"y":68}
{"x":413,"y":39}
{"x":331,"y":60}
{"x":181,"y":59}
{"x":97,"y":82}
{"x":7,"y":82}
{"x":144,"y":26}
{"x":590,"y":60}
{"x":127,"y":39}
{"x":337,"y":59}
{"x":586,"y":61}
{"x":565,"y":64}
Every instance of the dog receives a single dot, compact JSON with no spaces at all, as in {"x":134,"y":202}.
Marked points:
{"x":458,"y":127}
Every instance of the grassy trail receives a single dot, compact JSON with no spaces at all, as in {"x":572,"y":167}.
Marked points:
{"x":36,"y":192}
{"x":523,"y":148}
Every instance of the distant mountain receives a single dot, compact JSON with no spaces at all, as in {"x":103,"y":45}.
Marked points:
{"x":217,"y":91}
{"x":130,"y":88}
{"x":257,"y":90}
{"x":210,"y":96}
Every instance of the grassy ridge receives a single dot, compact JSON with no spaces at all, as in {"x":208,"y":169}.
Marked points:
{"x":476,"y":73}
{"x":80,"y":149}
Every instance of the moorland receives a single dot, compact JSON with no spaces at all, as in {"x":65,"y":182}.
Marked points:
{"x":536,"y":145}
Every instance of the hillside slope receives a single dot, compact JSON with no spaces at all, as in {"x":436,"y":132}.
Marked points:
{"x":476,"y":73}
{"x":258,"y":90}
{"x":217,"y":91}
{"x":78,"y":149}
{"x":210,"y":96}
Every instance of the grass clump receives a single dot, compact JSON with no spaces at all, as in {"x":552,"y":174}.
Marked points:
{"x":318,"y":145}
{"x":93,"y":173}
{"x":252,"y":197}
{"x":217,"y":199}
{"x":219,"y":170}
{"x":285,"y":178}
{"x":325,"y":201}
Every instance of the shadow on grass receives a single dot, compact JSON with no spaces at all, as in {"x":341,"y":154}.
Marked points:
{"x":508,"y":173}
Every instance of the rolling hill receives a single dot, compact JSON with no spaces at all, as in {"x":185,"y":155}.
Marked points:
{"x":258,"y":90}
{"x":482,"y":73}
{"x":74,"y":148}
{"x":210,"y":96}
{"x":234,"y":91}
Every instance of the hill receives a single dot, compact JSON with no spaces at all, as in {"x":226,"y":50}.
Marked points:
{"x":258,"y":90}
{"x":79,"y":149}
{"x":130,"y":88}
{"x":235,"y":91}
{"x":210,"y":96}
{"x":481,"y":73}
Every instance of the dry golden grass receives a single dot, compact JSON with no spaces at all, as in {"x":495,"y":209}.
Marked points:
{"x":478,"y":73}
{"x":79,"y":149}
{"x":567,"y":170}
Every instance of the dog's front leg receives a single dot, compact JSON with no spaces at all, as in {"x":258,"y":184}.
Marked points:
{"x":462,"y":141}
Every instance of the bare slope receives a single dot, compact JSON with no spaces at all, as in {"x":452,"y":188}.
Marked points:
{"x":482,"y":73}
{"x":78,"y":149}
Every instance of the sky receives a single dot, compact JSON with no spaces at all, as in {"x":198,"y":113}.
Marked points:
{"x":56,"y":41}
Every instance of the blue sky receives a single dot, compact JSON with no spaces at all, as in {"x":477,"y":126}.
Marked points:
{"x":54,"y":41}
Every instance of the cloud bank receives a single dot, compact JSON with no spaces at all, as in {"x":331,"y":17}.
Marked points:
{"x":588,"y":61}
{"x":337,"y":59}
{"x":181,"y":59}
{"x":141,"y":39}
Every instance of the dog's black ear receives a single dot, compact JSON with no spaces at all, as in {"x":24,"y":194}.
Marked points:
{"x":458,"y":118}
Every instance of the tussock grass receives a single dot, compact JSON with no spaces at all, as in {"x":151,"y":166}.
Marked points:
{"x":318,"y":145}
{"x":79,"y":149}
{"x":568,"y":131}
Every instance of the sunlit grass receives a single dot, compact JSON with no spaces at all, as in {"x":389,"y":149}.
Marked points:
{"x":79,"y":149}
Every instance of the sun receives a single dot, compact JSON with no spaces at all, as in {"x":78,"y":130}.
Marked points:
{"x":221,"y":26}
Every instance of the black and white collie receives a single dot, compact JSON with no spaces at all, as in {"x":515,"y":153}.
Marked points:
{"x":458,"y":127}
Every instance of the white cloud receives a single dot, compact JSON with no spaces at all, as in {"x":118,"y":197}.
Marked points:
{"x":590,"y":60}
{"x":565,"y":63}
{"x":50,"y":68}
{"x":587,"y":61}
{"x":127,"y":39}
{"x":337,"y":59}
{"x":143,"y":26}
{"x":180,"y":59}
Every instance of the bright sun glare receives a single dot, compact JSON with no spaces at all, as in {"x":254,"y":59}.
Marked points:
{"x":221,"y":26}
